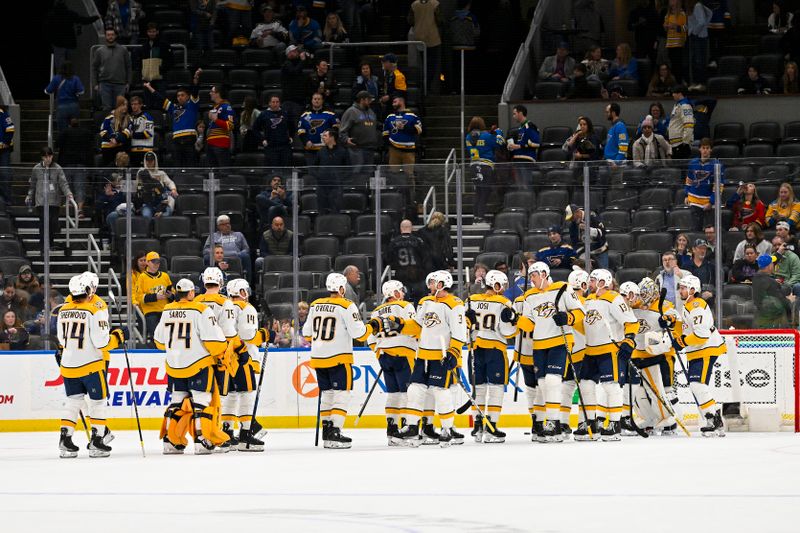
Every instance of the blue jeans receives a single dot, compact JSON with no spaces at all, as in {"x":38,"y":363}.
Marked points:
{"x":65,"y":111}
{"x":362,"y":160}
{"x":109,"y":93}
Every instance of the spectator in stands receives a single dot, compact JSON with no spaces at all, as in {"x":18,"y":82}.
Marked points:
{"x":616,"y":147}
{"x":155,"y":191}
{"x":234,"y":244}
{"x":747,"y":207}
{"x":203,"y":20}
{"x":122,"y":162}
{"x":313,"y":123}
{"x":359,"y":133}
{"x":393,"y":82}
{"x":239,"y":14}
{"x":624,"y":66}
{"x":401,"y":130}
{"x":285,"y":334}
{"x":277,"y":240}
{"x":59,"y":26}
{"x":753,"y":83}
{"x":558,"y":67}
{"x":58,"y":191}
{"x":710,"y":233}
{"x":701,"y":267}
{"x":681,"y":249}
{"x":651,"y":148}
{"x":184,"y":116}
{"x":779,"y":21}
{"x":773,"y":309}
{"x":753,"y":236}
{"x":152,"y":293}
{"x":697,"y":29}
{"x":115,"y":132}
{"x":353,"y":276}
{"x":787,"y":266}
{"x":36,"y":326}
{"x":745,"y":268}
{"x":218,"y":260}
{"x":579,"y":86}
{"x":681,"y":124}
{"x":105,"y":203}
{"x":784,"y":207}
{"x":334,"y":31}
{"x":790,"y":42}
{"x":597,"y":68}
{"x":248,"y":140}
{"x":293,"y":83}
{"x":519,"y":285}
{"x":523,"y":147}
{"x":305,"y":31}
{"x":11,"y":301}
{"x":153,"y":60}
{"x":111,"y":70}
{"x":367,"y":82}
{"x":219,"y":133}
{"x":75,"y":155}
{"x":12,"y":332}
{"x":789,"y":240}
{"x":481,"y":145}
{"x":124,"y":17}
{"x":269,"y":33}
{"x":598,"y":247}
{"x":407,"y":255}
{"x":199,"y":145}
{"x":29,"y":288}
{"x":644,"y":22}
{"x":588,"y":24}
{"x":583,"y":145}
{"x":322,"y":81}
{"x":142,"y":130}
{"x":275,"y":131}
{"x":789,"y":80}
{"x":331,"y":169}
{"x":273,"y":202}
{"x":717,"y":28}
{"x":425,"y":18}
{"x":138,"y":266}
{"x":478,"y":285}
{"x":464,"y":31}
{"x":675,"y":24}
{"x":302,"y":316}
{"x":660,"y":120}
{"x":662,"y":82}
{"x":699,"y":185}
{"x":436,"y":234}
{"x":557,"y":254}
{"x":67,"y":88}
{"x":7,"y":130}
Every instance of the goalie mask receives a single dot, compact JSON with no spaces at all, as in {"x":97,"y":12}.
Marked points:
{"x":648,"y":291}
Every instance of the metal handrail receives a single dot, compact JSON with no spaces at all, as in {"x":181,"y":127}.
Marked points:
{"x":99,"y":24}
{"x":450,"y":165}
{"x":5,"y":91}
{"x":386,"y":274}
{"x":522,"y":60}
{"x":113,"y":282}
{"x":420,"y":44}
{"x":92,"y":248}
{"x":72,"y":223}
{"x":96,"y":46}
{"x":426,"y":214}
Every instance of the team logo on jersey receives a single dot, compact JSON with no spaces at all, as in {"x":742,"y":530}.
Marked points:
{"x":593,"y":317}
{"x":315,"y":124}
{"x":431,"y":319}
{"x":545,"y":310}
{"x":644,"y":326}
{"x":99,"y":304}
{"x":275,"y":121}
{"x":399,"y":124}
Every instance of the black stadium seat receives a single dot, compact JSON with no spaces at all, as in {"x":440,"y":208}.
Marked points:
{"x":182,"y":246}
{"x":658,"y":197}
{"x":491,"y":258}
{"x":621,"y":242}
{"x":648,"y":220}
{"x":510,"y":222}
{"x":658,"y":241}
{"x":648,"y":259}
{"x":729,"y":133}
{"x":519,"y":201}
{"x":336,"y":225}
{"x":542,"y":220}
{"x":316,"y":263}
{"x":186,"y":264}
{"x":171,"y":227}
{"x":534,"y":242}
{"x":616,"y":220}
{"x":506,"y":243}
{"x":321,"y":245}
{"x":305,"y":280}
{"x":278,"y":263}
{"x":360,"y":245}
{"x":753,"y":151}
{"x":764,"y":132}
{"x":631,"y":274}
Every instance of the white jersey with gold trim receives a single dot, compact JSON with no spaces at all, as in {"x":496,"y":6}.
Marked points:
{"x":489,"y":331}
{"x":396,"y":343}
{"x":604,"y":314}
{"x":332,"y":325}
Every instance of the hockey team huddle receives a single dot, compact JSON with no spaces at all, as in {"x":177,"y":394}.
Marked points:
{"x":617,"y":349}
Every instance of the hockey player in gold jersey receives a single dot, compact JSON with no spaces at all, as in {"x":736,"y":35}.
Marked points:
{"x":493,"y":322}
{"x":395,"y":354}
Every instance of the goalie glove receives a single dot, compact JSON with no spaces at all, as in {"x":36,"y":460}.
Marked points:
{"x":450,"y":359}
{"x":626,"y":347}
{"x":508,"y":315}
{"x":657,"y":342}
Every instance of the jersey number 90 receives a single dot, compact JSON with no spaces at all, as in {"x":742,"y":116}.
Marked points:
{"x":324,"y":328}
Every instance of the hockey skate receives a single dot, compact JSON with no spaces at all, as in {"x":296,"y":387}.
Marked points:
{"x":495,"y":436}
{"x":538,"y":432}
{"x":332,"y":437}
{"x":714,"y":426}
{"x":202,"y":446}
{"x":566,"y":431}
{"x":477,"y":428}
{"x":582,"y":432}
{"x":107,"y":436}
{"x":626,"y":425}
{"x":458,"y":438}
{"x":409,"y":436}
{"x":552,"y":431}
{"x":611,"y":433}
{"x":248,"y":443}
{"x":669,"y":431}
{"x":392,"y":431}
{"x":172,"y":449}
{"x":233,"y":442}
{"x":257,"y":430}
{"x":96,"y":446}
{"x":430,"y":436}
{"x":445,"y":438}
{"x":66,"y":448}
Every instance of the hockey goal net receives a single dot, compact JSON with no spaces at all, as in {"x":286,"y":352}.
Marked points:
{"x":766,"y":362}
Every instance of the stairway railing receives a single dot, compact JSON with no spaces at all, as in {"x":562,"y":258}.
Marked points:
{"x":94,"y":258}
{"x":72,"y":223}
{"x":450,"y":167}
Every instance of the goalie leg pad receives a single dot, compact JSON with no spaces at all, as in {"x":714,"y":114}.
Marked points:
{"x":702,"y":392}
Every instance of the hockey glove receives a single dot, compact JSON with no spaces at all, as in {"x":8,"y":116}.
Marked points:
{"x":625,"y":348}
{"x":117,"y":333}
{"x":450,"y":360}
{"x":561,"y":319}
{"x":471,"y":316}
{"x":392,"y":324}
{"x":268,"y":335}
{"x":679,"y":342}
{"x":665,"y":322}
{"x":376,"y":324}
{"x":58,"y":353}
{"x":508,"y":315}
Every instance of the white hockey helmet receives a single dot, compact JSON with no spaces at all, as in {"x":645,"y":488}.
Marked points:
{"x":184,"y":285}
{"x":443,"y":277}
{"x":494,"y":277}
{"x":92,"y":280}
{"x":336,"y":282}
{"x":212,"y":276}
{"x":627,"y":288}
{"x":539,"y":267}
{"x":648,"y":290}
{"x":601,"y":274}
{"x":690,"y":282}
{"x":577,"y":278}
{"x":79,"y":285}
{"x":390,"y":287}
{"x":235,"y":287}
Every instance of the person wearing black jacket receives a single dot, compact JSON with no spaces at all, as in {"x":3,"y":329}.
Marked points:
{"x":275,"y":129}
{"x":294,"y":83}
{"x":407,"y":254}
{"x":153,"y":59}
{"x":76,"y":154}
{"x":330,"y":169}
{"x":771,"y":304}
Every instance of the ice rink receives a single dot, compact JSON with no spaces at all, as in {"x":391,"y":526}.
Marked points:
{"x":744,"y":482}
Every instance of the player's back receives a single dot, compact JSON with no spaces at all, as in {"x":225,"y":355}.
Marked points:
{"x":332,"y":325}
{"x":83,"y":331}
{"x":183,"y":332}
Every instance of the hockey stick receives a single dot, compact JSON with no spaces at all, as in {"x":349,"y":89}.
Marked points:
{"x":572,"y":364}
{"x":371,"y":390}
{"x":116,"y":304}
{"x":661,"y":297}
{"x":319,"y":406}
{"x":260,"y":381}
{"x":639,"y":431}
{"x":470,"y":401}
{"x":519,"y":339}
{"x":664,"y":403}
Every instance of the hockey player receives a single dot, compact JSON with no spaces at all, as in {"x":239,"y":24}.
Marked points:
{"x":548,"y":307}
{"x":395,"y":355}
{"x":523,"y":355}
{"x":83,"y":335}
{"x":224,"y":312}
{"x":332,"y":325}
{"x":493,"y":321}
{"x":194,"y":343}
{"x":578,"y":281}
{"x":630,"y":294}
{"x":92,"y":281}
{"x":442,"y":329}
{"x":702,"y":344}
{"x":239,"y":403}
{"x":610,"y":330}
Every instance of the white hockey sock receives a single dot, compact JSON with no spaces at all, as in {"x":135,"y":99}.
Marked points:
{"x":589,"y":393}
{"x":702,"y":392}
{"x":567,"y":393}
{"x":97,"y":414}
{"x":480,"y":398}
{"x":72,"y":412}
{"x":417,"y":400}
{"x":539,"y":401}
{"x":495,"y":395}
{"x":341,"y":398}
{"x":614,"y":400}
{"x":429,"y":405}
{"x":552,"y":396}
{"x":602,"y":402}
{"x":444,"y":406}
{"x":530,"y":395}
{"x":230,"y":406}
{"x":394,"y":406}
{"x":326,"y":404}
{"x":247,"y":400}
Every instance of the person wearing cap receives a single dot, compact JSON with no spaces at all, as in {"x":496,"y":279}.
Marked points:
{"x":774,"y":309}
{"x":293,"y":83}
{"x":313,"y":123}
{"x":58,"y":191}
{"x":359,"y":133}
{"x":702,"y":268}
{"x":651,"y":148}
{"x":233,"y":242}
{"x":681,"y":124}
{"x":558,"y":254}
{"x":155,"y":191}
{"x":393,"y":82}
{"x":699,"y":185}
{"x":787,"y":266}
{"x":783,"y":230}
{"x":152,"y":292}
{"x":558,"y":67}
{"x":270,"y":34}
{"x":28,"y":287}
{"x":598,"y":248}
{"x":305,"y":31}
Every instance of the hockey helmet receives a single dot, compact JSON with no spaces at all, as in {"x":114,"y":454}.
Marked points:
{"x":336,"y":282}
{"x":79,"y":285}
{"x":648,"y":290}
{"x":495,"y":277}
{"x":92,"y":280}
{"x":577,"y":278}
{"x":236,"y":286}
{"x":390,"y":287}
{"x":601,"y":274}
{"x":443,"y":277}
{"x":690,"y":282}
{"x":212,"y":276}
{"x":627,"y":288}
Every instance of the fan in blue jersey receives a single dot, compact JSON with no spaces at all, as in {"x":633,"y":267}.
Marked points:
{"x":312,"y":124}
{"x":481,"y":145}
{"x":523,"y":147}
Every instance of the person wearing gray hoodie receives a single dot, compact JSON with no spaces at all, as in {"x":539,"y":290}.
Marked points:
{"x":111,"y":70}
{"x":57,"y":188}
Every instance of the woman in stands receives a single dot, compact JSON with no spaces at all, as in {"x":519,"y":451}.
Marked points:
{"x":745,"y":268}
{"x":675,"y":24}
{"x":779,"y":20}
{"x":12,"y":332}
{"x":753,"y":82}
{"x":624,"y":66}
{"x":683,"y":252}
{"x":784,"y":207}
{"x":597,"y":68}
{"x":660,"y":120}
{"x":334,"y":31}
{"x":747,"y":207}
{"x":662,"y":82}
{"x":248,"y":138}
{"x":115,"y":133}
{"x":583,"y":145}
{"x":478,"y":285}
{"x":67,"y":88}
{"x":753,"y":236}
{"x":789,"y":82}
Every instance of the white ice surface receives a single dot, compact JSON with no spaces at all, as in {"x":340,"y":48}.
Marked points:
{"x":744,"y":482}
